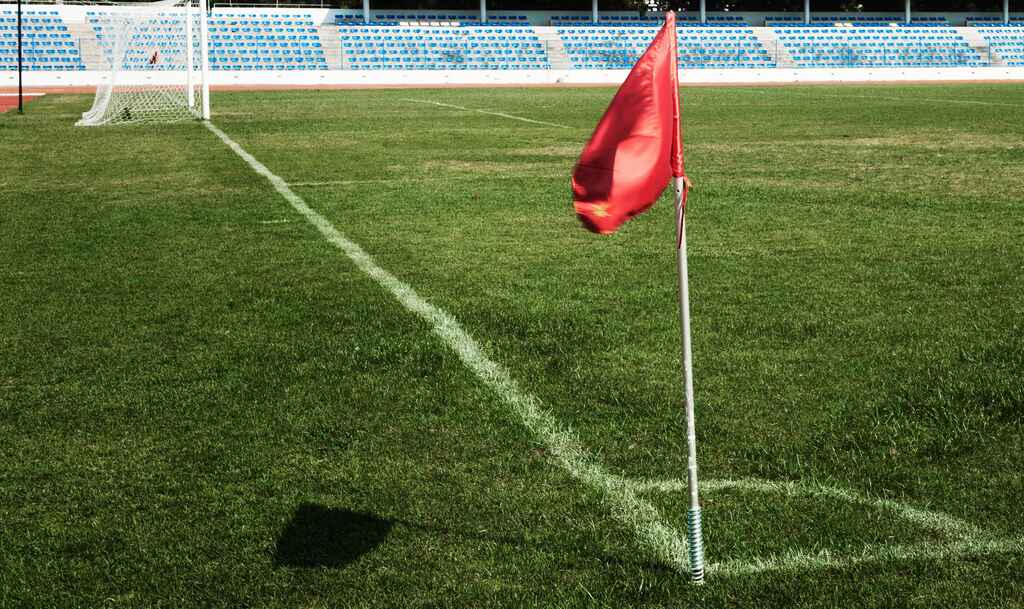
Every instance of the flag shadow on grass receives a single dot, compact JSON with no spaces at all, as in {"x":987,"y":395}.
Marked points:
{"x":319,"y":536}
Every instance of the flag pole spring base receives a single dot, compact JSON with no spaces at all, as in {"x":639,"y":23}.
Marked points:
{"x":696,"y":545}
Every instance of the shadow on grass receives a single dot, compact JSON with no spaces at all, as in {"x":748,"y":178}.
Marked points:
{"x":319,"y":536}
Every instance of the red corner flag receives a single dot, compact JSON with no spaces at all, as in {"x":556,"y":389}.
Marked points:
{"x":635,"y":148}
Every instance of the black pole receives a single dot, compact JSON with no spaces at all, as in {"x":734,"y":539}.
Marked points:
{"x":21,"y":102}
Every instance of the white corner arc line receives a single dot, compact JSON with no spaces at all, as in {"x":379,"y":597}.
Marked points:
{"x":965,"y":539}
{"x":623,"y":501}
{"x":932,"y":520}
{"x":501,"y":114}
{"x":799,"y":561}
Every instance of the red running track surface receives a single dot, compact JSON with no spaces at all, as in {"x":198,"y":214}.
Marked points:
{"x":9,"y":101}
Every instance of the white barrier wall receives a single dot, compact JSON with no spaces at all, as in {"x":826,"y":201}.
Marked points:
{"x":389,"y":78}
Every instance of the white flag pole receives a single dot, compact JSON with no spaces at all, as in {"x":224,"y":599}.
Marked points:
{"x":695,"y":539}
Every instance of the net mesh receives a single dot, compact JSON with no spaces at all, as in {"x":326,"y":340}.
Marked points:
{"x":152,"y":53}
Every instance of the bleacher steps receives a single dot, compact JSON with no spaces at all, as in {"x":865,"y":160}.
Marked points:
{"x":978,"y":43}
{"x":330,"y":39}
{"x":554,"y":48}
{"x":776,"y":50}
{"x":92,"y":56}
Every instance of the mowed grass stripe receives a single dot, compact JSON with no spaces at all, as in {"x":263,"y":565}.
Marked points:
{"x":625,"y":504}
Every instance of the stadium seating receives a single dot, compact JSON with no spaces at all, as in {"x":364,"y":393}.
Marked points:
{"x":260,"y":41}
{"x":432,"y":19}
{"x":994,"y":21}
{"x":238,"y":41}
{"x":164,"y":45}
{"x":829,"y":47}
{"x":457,"y":40}
{"x":442,"y":48}
{"x":1007,"y":42}
{"x":855,"y":20}
{"x":597,"y":48}
{"x":647,"y":21}
{"x":46,"y":43}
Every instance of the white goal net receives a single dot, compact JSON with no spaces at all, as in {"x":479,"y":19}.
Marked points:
{"x":155,"y":58}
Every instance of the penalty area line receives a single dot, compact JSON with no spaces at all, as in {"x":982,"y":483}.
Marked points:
{"x":618,"y":495}
{"x":501,"y":114}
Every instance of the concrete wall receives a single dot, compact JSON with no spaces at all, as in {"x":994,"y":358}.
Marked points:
{"x":343,"y":78}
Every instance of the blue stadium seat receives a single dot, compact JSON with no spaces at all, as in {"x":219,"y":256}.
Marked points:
{"x":1005,"y":42}
{"x":730,"y":46}
{"x":866,"y":46}
{"x":504,"y":47}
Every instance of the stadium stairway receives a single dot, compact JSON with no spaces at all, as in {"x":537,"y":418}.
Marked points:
{"x":870,"y":46}
{"x":618,"y":47}
{"x":555,"y":48}
{"x":89,"y":48}
{"x":1005,"y":43}
{"x":331,"y":40}
{"x":979,"y":44}
{"x":775,"y":49}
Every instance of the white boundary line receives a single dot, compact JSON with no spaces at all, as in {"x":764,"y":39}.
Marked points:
{"x":501,"y":114}
{"x":625,"y":503}
{"x":624,"y":497}
{"x":928,"y":99}
{"x":899,"y":99}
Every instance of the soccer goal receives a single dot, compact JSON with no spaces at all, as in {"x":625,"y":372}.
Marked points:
{"x":154,"y":55}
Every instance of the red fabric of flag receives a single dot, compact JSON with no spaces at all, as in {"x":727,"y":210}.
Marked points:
{"x":635,"y":148}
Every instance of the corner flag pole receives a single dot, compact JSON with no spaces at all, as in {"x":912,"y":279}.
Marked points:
{"x":614,"y":181}
{"x":695,"y":539}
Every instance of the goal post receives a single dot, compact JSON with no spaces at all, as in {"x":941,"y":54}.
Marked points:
{"x":155,"y":62}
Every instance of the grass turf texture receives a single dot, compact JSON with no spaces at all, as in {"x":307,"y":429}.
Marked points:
{"x":204,"y":404}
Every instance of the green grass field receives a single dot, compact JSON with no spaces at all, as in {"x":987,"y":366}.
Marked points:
{"x":204,"y":403}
